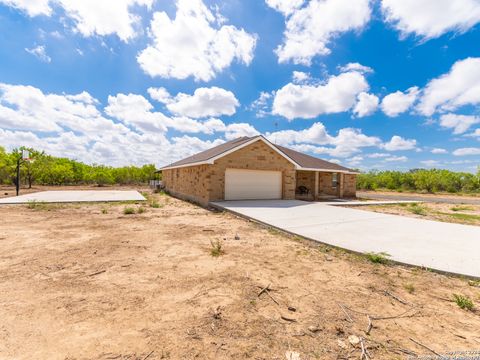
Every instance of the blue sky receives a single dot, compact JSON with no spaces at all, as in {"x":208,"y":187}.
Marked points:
{"x":380,"y":84}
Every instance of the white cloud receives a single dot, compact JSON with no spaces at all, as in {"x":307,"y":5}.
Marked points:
{"x":286,"y":7}
{"x":430,"y":163}
{"x":377,"y":155}
{"x":204,"y":102}
{"x":467,"y":151}
{"x":396,"y":159}
{"x":431,"y":18}
{"x":160,"y":94}
{"x":105,"y":17}
{"x":398,"y":102}
{"x":193,"y":45}
{"x":439,"y":151}
{"x":40,"y":53}
{"x":397,"y":143}
{"x":91,"y":17}
{"x":347,"y":142}
{"x":338,"y":94}
{"x":459,"y":123}
{"x":261,"y":106}
{"x":31,"y":7}
{"x":310,"y":29}
{"x":233,"y":131}
{"x":459,"y":87}
{"x":356,"y":67}
{"x":367,"y":104}
{"x":476,"y":133}
{"x":299,"y":77}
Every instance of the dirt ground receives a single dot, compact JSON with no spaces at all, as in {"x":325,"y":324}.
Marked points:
{"x":419,"y":194}
{"x":460,"y":214}
{"x":89,"y":282}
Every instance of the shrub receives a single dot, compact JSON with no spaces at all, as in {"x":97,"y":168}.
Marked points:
{"x":217,"y":248}
{"x":409,"y":287}
{"x":141,"y":210}
{"x":104,"y":211}
{"x":129,"y":211}
{"x":463,"y":302}
{"x":378,"y":258}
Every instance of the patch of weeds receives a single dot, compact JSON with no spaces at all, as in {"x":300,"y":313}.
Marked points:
{"x":378,"y":258}
{"x":475,"y":283}
{"x":417,"y":209}
{"x":217,"y":248}
{"x":463,"y":302}
{"x":462,"y":208}
{"x":39,"y":205}
{"x":104,"y":211}
{"x":409,"y":287}
{"x":464,"y":217}
{"x":155,"y":204}
{"x":129,"y":211}
{"x":141,"y":210}
{"x":161,"y":192}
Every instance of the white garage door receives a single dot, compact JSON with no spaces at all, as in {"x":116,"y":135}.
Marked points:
{"x":252,"y":184}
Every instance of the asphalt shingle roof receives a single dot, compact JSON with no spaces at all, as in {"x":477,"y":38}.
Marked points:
{"x":304,"y":160}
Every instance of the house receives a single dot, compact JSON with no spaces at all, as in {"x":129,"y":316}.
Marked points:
{"x":255,"y":168}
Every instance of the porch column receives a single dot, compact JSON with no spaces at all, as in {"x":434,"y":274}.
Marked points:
{"x":316,"y":186}
{"x":341,"y":178}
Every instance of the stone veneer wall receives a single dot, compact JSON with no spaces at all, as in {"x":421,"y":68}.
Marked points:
{"x":189,"y":183}
{"x":307,"y":179}
{"x":257,"y":156}
{"x":350,"y":185}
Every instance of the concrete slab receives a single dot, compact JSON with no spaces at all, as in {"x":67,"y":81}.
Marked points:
{"x":447,"y":247}
{"x":70,"y":196}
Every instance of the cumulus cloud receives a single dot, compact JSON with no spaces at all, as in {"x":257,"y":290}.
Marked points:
{"x":337,"y":94}
{"x":398,"y":102}
{"x":457,"y":88}
{"x":431,"y":18}
{"x":122,"y":133}
{"x":397,"y":143}
{"x":299,"y":77}
{"x":31,"y":7}
{"x":356,"y":67}
{"x":90,"y":17}
{"x":367,"y":104}
{"x":40,"y":53}
{"x":438,"y":151}
{"x":467,"y":151}
{"x":311,"y":28}
{"x":395,"y":159}
{"x":459,"y":123}
{"x":262,"y":105}
{"x":317,"y":140}
{"x":193,"y":44}
{"x":204,"y":102}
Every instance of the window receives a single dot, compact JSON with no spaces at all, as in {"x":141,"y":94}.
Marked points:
{"x":334,"y":179}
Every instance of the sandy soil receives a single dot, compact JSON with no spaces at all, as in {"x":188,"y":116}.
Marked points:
{"x":460,"y":214}
{"x":88,"y":282}
{"x":8,"y":190}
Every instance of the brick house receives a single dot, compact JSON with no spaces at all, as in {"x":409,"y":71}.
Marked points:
{"x":255,"y":168}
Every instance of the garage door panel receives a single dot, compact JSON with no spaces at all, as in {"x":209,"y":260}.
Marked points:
{"x":241,"y":184}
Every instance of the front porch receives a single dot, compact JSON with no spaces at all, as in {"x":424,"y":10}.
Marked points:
{"x":322,"y":185}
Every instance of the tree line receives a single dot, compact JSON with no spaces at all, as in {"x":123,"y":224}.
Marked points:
{"x":422,"y":180}
{"x":45,"y":169}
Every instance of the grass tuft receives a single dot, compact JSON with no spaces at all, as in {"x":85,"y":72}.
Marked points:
{"x":463,"y":302}
{"x":129,"y":211}
{"x":217,"y":248}
{"x":378,"y":258}
{"x":409,"y":287}
{"x":462,"y":208}
{"x":141,"y":210}
{"x":104,"y":211}
{"x":417,"y":209}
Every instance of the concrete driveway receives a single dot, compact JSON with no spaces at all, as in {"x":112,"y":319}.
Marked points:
{"x":446,"y":247}
{"x":68,"y":196}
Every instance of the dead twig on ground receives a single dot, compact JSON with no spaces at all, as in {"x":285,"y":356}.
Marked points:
{"x":148,"y":355}
{"x":266,"y":288}
{"x":97,"y":273}
{"x":425,"y":347}
{"x":349,"y":318}
{"x":364,"y":354}
{"x":395,"y":297}
{"x":370,"y":325}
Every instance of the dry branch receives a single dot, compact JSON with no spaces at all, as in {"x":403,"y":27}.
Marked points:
{"x":425,"y":347}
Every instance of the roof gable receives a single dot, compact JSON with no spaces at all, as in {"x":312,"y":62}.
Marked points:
{"x":300,"y":160}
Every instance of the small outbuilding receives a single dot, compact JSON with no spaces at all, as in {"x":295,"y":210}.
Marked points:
{"x":254,"y":168}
